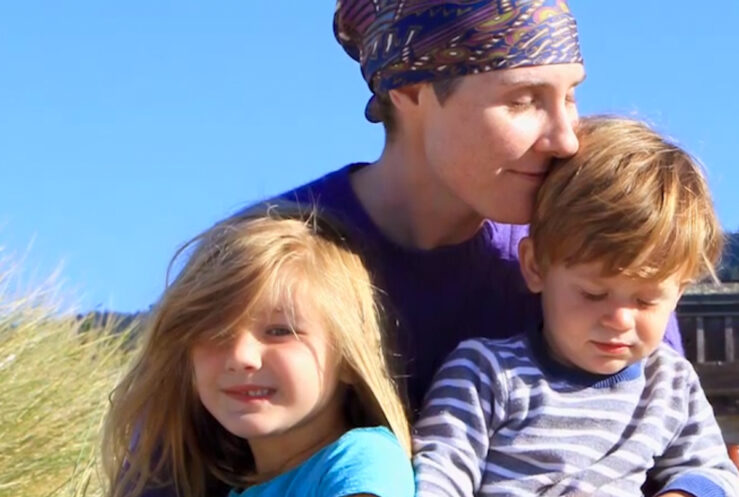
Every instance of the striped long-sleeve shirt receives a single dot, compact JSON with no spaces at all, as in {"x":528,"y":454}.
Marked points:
{"x":501,"y":418}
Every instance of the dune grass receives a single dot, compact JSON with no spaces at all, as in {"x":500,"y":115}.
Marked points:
{"x":54,"y":387}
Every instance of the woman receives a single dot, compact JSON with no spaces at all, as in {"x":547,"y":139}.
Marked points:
{"x":476,"y":99}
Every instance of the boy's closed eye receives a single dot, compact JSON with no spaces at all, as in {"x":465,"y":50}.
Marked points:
{"x":593,"y":296}
{"x":646,"y":303}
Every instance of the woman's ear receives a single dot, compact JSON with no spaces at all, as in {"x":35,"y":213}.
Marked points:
{"x":406,"y":97}
{"x":529,"y":267}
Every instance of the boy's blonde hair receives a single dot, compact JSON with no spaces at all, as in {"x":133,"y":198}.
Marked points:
{"x":158,"y":432}
{"x":630,"y":200}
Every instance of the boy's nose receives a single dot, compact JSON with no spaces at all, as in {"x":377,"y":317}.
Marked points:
{"x":246,"y":353}
{"x":620,"y":318}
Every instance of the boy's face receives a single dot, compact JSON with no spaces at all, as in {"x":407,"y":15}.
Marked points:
{"x":603,"y":324}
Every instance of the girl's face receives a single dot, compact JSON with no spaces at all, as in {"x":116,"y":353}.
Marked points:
{"x":274,"y":384}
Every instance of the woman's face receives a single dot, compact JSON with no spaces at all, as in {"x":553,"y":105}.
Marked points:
{"x":489,"y":146}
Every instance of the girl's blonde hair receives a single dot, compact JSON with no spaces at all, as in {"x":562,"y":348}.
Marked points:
{"x":157,"y":432}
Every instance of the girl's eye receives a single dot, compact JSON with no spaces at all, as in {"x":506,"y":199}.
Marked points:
{"x":279,"y":331}
{"x":594,"y":297}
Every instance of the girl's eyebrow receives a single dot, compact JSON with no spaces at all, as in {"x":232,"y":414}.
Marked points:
{"x":283,"y":313}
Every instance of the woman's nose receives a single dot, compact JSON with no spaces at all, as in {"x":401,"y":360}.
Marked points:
{"x":559,"y":138}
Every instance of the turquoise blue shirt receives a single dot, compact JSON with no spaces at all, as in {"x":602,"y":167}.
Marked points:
{"x":362,"y":461}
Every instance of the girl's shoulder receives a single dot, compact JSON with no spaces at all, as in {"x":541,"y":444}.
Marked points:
{"x":362,"y":461}
{"x":367,"y":460}
{"x":368,"y":438}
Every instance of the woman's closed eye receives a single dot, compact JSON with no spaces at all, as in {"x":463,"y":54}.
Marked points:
{"x":521,"y":99}
{"x":521,"y":103}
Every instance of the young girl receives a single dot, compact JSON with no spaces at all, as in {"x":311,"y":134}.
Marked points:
{"x":263,"y":370}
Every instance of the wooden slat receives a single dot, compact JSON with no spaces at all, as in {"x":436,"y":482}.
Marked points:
{"x":700,"y":341}
{"x":719,"y":378}
{"x":729,"y":339}
{"x":729,"y":424}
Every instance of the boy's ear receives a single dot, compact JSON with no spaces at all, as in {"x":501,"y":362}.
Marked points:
{"x":529,"y":267}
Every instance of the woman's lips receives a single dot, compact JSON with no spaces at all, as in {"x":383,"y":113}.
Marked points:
{"x":532,"y":176}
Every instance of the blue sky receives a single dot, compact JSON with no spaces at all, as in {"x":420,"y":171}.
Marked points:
{"x":128,"y":127}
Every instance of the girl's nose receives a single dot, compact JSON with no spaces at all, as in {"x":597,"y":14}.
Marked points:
{"x":246,"y":353}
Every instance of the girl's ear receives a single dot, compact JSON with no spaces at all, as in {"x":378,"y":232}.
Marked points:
{"x":529,"y":267}
{"x":346,"y":374}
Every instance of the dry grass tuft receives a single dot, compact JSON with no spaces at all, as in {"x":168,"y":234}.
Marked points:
{"x":54,"y":387}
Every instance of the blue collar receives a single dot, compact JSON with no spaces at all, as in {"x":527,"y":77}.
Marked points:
{"x":574,"y":375}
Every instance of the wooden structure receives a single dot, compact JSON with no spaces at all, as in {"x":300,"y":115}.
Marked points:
{"x":709,"y":324}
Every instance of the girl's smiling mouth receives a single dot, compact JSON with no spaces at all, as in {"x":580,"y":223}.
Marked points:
{"x":249,"y":393}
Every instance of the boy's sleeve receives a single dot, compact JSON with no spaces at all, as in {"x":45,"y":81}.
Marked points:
{"x":451,"y":438}
{"x":370,"y":462}
{"x":696,"y":461}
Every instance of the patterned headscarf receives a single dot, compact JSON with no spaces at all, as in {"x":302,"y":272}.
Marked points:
{"x":401,"y":42}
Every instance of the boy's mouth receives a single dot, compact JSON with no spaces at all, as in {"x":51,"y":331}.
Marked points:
{"x":612,"y":347}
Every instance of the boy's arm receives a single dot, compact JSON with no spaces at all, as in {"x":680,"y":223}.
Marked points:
{"x":696,"y":462}
{"x":451,"y":437}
